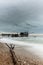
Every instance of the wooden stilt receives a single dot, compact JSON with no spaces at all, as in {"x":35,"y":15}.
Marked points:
{"x":13,"y":56}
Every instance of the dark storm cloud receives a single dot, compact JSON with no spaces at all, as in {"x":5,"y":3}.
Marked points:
{"x":21,"y":14}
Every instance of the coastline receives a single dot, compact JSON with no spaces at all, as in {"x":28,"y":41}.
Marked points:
{"x":26,"y":57}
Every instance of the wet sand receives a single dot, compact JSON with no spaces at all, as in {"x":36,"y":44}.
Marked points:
{"x":24,"y":57}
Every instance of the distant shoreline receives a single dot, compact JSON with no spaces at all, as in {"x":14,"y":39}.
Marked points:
{"x":15,"y":34}
{"x":35,"y":35}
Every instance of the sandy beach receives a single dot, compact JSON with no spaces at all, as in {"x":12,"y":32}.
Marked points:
{"x":24,"y":57}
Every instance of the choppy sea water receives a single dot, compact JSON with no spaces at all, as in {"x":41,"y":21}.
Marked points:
{"x":30,"y":39}
{"x":24,"y":39}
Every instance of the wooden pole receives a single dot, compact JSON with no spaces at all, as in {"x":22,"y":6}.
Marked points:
{"x":13,"y":56}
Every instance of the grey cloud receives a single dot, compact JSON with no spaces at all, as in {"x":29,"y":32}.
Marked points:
{"x":23,"y":15}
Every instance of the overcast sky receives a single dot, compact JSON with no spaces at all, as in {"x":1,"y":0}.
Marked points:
{"x":21,"y":15}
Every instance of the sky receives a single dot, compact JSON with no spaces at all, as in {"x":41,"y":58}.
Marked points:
{"x":21,"y":15}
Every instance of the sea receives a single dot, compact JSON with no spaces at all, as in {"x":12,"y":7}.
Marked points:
{"x":29,"y":39}
{"x":25,"y":39}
